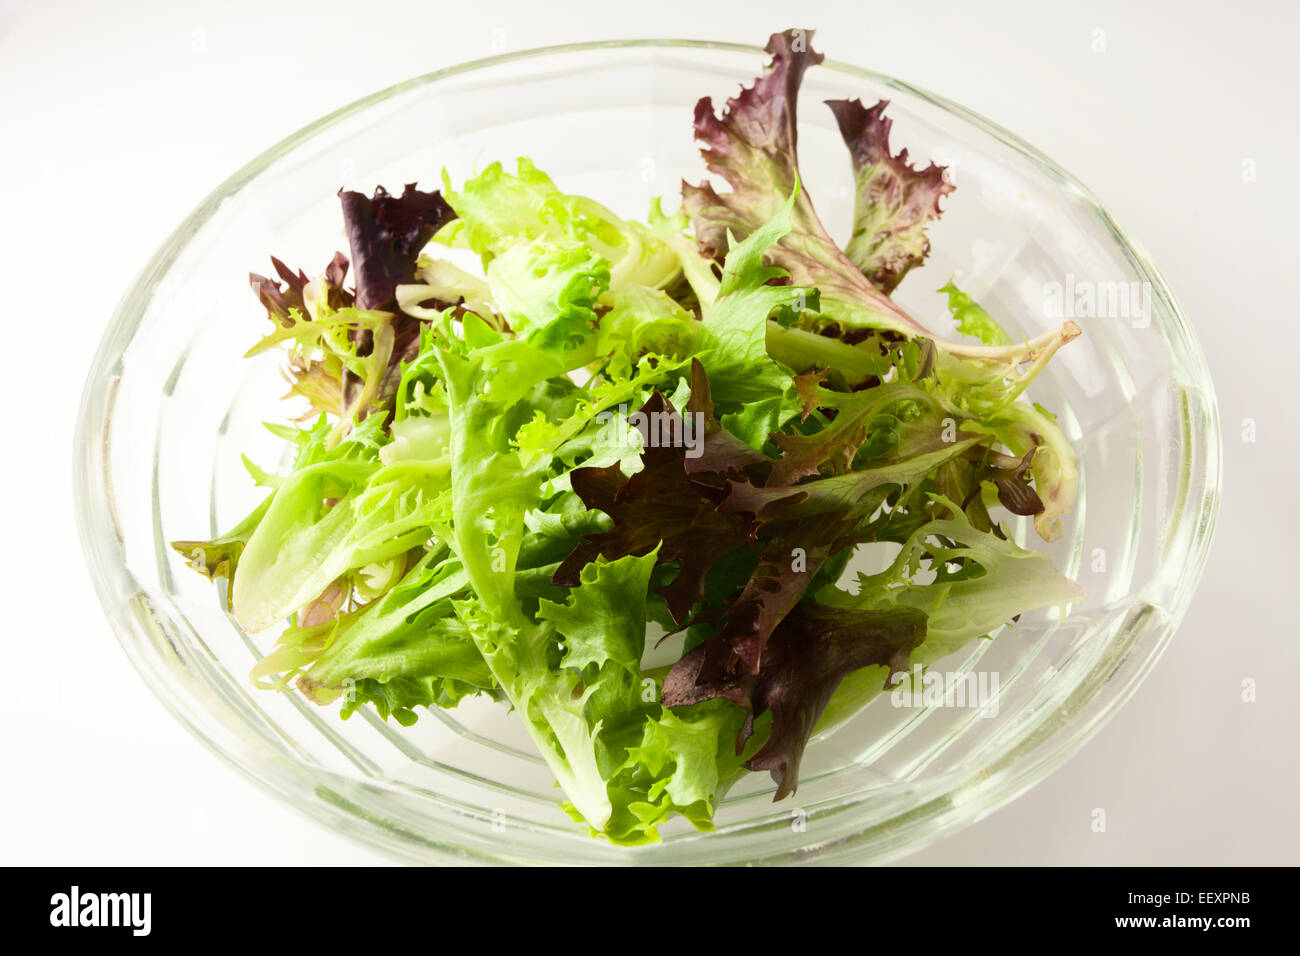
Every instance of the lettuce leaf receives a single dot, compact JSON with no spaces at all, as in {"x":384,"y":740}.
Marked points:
{"x":734,"y":335}
{"x":753,"y":147}
{"x":386,"y":234}
{"x":893,"y":203}
{"x":813,"y":649}
{"x":982,"y":581}
{"x":497,"y":211}
{"x":661,"y":509}
{"x":972,"y":319}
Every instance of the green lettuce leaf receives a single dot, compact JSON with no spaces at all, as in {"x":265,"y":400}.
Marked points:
{"x":497,"y":211}
{"x":972,"y":319}
{"x":982,"y":581}
{"x":733,"y":339}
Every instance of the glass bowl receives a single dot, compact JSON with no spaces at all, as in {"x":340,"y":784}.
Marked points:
{"x":170,"y":405}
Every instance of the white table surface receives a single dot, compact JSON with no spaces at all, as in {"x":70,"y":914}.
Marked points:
{"x":117,"y":118}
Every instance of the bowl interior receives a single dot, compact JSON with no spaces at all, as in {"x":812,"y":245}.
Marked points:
{"x":171,"y":406}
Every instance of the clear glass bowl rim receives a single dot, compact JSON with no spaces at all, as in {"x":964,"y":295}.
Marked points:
{"x":299,"y":785}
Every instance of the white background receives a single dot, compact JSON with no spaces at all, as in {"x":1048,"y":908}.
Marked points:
{"x":117,"y":118}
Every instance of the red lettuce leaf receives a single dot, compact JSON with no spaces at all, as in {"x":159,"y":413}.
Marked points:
{"x":796,"y":530}
{"x":698,"y":511}
{"x":279,"y":299}
{"x":812,"y":650}
{"x":1011,"y":477}
{"x":660,"y":503}
{"x":753,"y":147}
{"x":894,"y":202}
{"x":811,"y":506}
{"x":386,"y":234}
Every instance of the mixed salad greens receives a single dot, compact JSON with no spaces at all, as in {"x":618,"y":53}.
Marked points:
{"x":684,"y":427}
